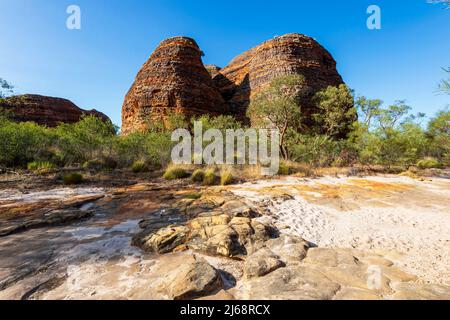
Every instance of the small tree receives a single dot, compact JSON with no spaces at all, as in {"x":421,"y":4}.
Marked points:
{"x":6,"y":89}
{"x":278,"y":107}
{"x":368,"y":109}
{"x":85,"y":140}
{"x":390,"y":117}
{"x":445,"y":84}
{"x":439,"y":135}
{"x":336,"y":110}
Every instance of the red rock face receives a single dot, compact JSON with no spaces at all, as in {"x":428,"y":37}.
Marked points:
{"x":174,"y":79}
{"x":46,"y":111}
{"x":292,"y":54}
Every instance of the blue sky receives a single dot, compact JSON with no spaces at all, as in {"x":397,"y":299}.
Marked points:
{"x":95,"y":66}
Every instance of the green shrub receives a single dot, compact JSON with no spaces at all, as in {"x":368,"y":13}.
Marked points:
{"x":318,"y":150}
{"x":106,"y":163}
{"x":284,"y":169}
{"x":21,"y":143}
{"x":174,"y":173}
{"x":152,"y":148}
{"x":198,"y":175}
{"x":210,"y":178}
{"x":429,"y":163}
{"x":90,"y":138}
{"x":40,"y":167}
{"x":226,"y":178}
{"x":73,"y":178}
{"x":139,"y":166}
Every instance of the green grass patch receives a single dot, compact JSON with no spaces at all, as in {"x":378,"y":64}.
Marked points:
{"x":174,"y":173}
{"x":284,"y":169}
{"x":139,"y":166}
{"x":198,"y":176}
{"x":429,"y":163}
{"x":41,"y":167}
{"x":226,"y":178}
{"x":210,"y":178}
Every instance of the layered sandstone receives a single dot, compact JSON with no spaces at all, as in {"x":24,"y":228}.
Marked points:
{"x":44,"y":110}
{"x":291,"y":54}
{"x":174,"y":79}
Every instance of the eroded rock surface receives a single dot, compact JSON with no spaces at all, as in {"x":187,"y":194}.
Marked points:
{"x":282,"y":266}
{"x":44,"y":110}
{"x":174,"y":79}
{"x":215,"y":235}
{"x":291,"y":54}
{"x":192,"y":278}
{"x":262,"y":262}
{"x":338,"y":274}
{"x":216,"y":246}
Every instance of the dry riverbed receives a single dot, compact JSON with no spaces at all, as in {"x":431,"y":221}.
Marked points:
{"x":76,"y":243}
{"x":404,"y":219}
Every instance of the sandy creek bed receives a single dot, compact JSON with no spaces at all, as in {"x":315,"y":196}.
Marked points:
{"x":406,"y":220}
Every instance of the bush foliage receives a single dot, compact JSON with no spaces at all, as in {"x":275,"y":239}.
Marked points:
{"x":73,"y":178}
{"x":382,"y":135}
{"x":198,"y":176}
{"x":226,"y":178}
{"x":173,"y":173}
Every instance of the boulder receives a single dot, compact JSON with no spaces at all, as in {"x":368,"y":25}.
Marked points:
{"x":194,"y":278}
{"x":236,"y":237}
{"x":217,"y":234}
{"x":261,"y":263}
{"x":162,"y":241}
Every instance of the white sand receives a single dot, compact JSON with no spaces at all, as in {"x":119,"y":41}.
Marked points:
{"x":10,"y":195}
{"x":415,"y":234}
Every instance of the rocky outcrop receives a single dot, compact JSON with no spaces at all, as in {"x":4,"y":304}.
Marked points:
{"x":216,"y":224}
{"x":291,"y":54}
{"x":174,"y":79}
{"x":215,"y":235}
{"x":44,"y":110}
{"x":93,"y":259}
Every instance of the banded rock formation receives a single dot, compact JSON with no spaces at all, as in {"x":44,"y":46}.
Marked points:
{"x":291,"y":54}
{"x":174,"y":79}
{"x":44,"y":110}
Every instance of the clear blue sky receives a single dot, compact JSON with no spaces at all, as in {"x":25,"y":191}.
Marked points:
{"x":95,"y":66}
